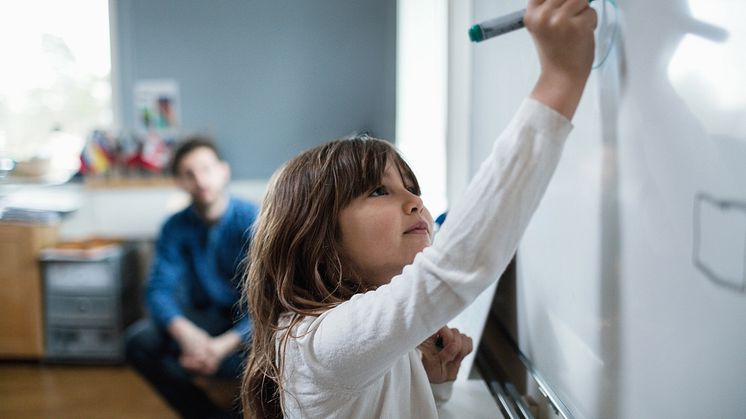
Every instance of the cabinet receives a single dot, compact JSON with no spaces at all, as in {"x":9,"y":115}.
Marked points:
{"x":21,"y":324}
{"x":90,"y":300}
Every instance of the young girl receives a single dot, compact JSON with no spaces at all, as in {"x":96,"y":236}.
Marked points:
{"x":348,"y":296}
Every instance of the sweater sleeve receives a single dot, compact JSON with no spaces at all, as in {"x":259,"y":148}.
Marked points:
{"x":243,"y":328}
{"x":442,"y":392}
{"x":167,"y":271}
{"x":356,"y":342}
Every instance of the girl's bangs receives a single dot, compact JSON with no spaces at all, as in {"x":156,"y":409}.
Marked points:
{"x":362,"y":163}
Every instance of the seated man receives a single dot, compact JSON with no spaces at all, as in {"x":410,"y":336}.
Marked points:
{"x":195,"y":326}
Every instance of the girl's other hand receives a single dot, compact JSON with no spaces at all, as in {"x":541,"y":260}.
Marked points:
{"x":442,"y":361}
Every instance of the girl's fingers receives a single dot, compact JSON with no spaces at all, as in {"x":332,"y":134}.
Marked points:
{"x":445,"y":333}
{"x":452,"y":370}
{"x":469,"y":345}
{"x":466,"y":346}
{"x":454,"y":366}
{"x":579,"y":12}
{"x":459,"y":346}
{"x":553,"y":11}
{"x":591,"y":17}
{"x":450,"y":351}
{"x":573,"y":7}
{"x":535,"y":3}
{"x":553,"y":4}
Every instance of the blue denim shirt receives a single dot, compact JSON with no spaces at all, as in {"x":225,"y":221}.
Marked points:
{"x":200,"y":266}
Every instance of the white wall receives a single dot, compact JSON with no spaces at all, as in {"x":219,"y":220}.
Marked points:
{"x":118,"y":212}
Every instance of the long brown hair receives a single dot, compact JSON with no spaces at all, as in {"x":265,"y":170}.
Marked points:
{"x":296,"y":265}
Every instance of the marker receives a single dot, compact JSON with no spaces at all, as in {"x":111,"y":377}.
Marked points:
{"x":498,"y":26}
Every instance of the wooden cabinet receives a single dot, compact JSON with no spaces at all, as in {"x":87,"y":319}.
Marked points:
{"x":21,"y":301}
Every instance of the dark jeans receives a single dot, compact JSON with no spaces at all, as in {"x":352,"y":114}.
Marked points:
{"x":155,"y":355}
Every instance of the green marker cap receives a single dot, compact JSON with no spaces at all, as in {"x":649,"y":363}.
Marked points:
{"x":476,"y":34}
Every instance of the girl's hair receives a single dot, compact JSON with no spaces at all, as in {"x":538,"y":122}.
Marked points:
{"x":296,"y":266}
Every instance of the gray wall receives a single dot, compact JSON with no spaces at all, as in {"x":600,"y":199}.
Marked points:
{"x":266,"y":78}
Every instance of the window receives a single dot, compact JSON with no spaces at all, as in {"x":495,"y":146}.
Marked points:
{"x":422,"y":40}
{"x":55,"y":74}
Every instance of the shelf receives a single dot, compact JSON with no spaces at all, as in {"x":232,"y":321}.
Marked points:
{"x":129,"y":182}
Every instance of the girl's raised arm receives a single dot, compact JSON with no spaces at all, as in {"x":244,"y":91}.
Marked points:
{"x":359,"y":340}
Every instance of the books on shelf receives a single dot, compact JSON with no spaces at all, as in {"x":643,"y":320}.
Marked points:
{"x":31,"y":216}
{"x":87,"y":249}
{"x":38,"y":206}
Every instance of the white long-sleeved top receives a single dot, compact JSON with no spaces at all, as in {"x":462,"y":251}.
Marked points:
{"x":359,"y":359}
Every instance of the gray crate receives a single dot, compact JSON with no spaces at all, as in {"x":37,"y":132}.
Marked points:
{"x":89,"y":301}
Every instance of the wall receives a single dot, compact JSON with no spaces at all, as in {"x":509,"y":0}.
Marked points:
{"x":267,"y":78}
{"x":133,"y":213}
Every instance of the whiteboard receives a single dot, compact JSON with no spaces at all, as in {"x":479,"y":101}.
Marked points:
{"x":632,"y":273}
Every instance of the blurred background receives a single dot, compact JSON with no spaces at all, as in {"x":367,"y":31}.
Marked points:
{"x":94,"y":96}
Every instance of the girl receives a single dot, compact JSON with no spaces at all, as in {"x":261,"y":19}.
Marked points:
{"x":346,"y":294}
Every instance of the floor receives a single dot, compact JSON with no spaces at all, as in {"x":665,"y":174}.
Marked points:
{"x":32,"y":390}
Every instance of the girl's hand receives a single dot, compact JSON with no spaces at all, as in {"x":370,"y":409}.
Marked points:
{"x":562,"y":31}
{"x":443,"y":360}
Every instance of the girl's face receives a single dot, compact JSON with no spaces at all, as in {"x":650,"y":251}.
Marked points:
{"x":383,"y":230}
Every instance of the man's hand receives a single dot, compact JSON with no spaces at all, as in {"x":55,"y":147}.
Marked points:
{"x":218,"y":348}
{"x":197,"y":348}
{"x":200,"y":352}
{"x":192,"y":340}
{"x":442,"y":354}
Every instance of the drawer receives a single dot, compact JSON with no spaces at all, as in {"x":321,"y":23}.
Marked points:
{"x":82,"y":310}
{"x":84,"y":343}
{"x":66,"y":277}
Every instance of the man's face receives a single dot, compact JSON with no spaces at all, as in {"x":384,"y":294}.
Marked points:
{"x":203,"y":176}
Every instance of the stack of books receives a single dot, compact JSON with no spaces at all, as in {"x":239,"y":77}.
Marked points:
{"x":37,"y":206}
{"x":32,"y":216}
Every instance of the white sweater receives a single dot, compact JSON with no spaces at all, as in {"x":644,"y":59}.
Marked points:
{"x":359,"y":359}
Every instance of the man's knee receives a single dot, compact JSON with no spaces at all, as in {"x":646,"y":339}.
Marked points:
{"x":142,"y":340}
{"x":232,"y":366}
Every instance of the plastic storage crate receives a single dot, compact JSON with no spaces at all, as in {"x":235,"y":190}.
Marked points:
{"x":90,"y":298}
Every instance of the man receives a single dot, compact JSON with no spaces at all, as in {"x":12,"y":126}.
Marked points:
{"x":195,"y":326}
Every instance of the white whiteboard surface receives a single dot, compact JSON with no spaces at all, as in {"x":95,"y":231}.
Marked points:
{"x":632,"y":274}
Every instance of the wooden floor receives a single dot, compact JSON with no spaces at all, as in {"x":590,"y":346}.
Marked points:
{"x":33,"y":390}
